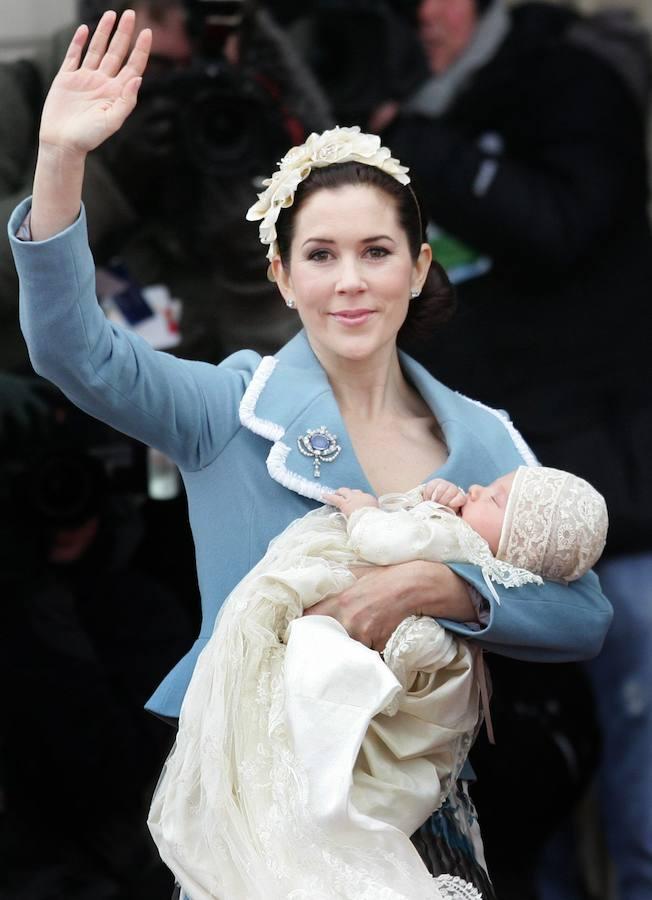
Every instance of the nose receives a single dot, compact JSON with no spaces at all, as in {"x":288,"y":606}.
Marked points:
{"x":474,"y":491}
{"x":349,"y":279}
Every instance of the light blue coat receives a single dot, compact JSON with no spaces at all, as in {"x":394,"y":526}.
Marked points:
{"x":233,"y":430}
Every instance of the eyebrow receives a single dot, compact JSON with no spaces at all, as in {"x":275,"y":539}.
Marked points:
{"x":367,"y":240}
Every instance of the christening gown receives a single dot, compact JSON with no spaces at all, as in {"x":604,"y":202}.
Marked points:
{"x":304,"y":760}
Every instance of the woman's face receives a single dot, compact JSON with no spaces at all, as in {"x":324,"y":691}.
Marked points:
{"x":445,"y":28}
{"x":350,"y":273}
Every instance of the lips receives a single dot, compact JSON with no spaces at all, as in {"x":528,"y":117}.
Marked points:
{"x":352,"y":317}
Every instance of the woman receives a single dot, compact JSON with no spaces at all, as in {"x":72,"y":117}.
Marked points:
{"x":350,"y":257}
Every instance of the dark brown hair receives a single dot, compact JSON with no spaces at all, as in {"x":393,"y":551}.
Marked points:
{"x":436,"y":303}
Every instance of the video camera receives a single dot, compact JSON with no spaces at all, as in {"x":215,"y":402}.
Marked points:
{"x":210,"y":117}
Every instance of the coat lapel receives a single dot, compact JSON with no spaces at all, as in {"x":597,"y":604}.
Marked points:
{"x":289,"y":395}
{"x":482,"y":442}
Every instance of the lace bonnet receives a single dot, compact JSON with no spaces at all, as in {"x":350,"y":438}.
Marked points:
{"x":555,"y":524}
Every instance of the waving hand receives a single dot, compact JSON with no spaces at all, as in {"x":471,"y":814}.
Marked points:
{"x":88,"y":101}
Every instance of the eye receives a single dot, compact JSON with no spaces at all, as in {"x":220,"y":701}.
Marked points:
{"x":377,"y":252}
{"x":319,"y":255}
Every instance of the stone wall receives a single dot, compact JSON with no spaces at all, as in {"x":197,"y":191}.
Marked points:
{"x":24,"y":23}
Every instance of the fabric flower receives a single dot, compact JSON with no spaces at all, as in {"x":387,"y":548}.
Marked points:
{"x":336,"y":145}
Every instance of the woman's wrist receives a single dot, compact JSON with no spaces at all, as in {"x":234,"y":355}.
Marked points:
{"x":57,"y":191}
{"x":438,"y":592}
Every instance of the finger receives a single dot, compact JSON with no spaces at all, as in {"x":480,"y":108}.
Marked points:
{"x":436,"y":490}
{"x":457,"y":501}
{"x":120,"y":43}
{"x":137,"y":62}
{"x":73,"y":54}
{"x":99,"y":41}
{"x":333,"y":500}
{"x":119,"y":111}
{"x":130,"y":92}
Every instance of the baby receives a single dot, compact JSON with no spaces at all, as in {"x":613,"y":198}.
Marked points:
{"x":538,"y":520}
{"x":305,"y":754}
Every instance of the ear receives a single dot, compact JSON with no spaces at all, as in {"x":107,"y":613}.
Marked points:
{"x":282,"y":279}
{"x":422,"y":265}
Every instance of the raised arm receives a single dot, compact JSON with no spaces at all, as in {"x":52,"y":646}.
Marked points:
{"x":188,"y":410}
{"x":88,"y":102}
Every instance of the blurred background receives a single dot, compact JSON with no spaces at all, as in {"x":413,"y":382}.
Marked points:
{"x":526,"y":126}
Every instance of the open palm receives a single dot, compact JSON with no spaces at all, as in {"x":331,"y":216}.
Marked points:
{"x":88,"y":101}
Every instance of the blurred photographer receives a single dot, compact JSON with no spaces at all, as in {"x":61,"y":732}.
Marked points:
{"x":346,"y":41}
{"x":204,"y":133}
{"x":89,"y":621}
{"x":528,"y":139}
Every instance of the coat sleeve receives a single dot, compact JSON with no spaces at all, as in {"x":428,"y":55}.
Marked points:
{"x":188,"y":410}
{"x":540,"y":623}
{"x":551,"y":194}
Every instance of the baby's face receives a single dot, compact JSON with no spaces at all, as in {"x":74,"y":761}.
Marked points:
{"x":484,"y":509}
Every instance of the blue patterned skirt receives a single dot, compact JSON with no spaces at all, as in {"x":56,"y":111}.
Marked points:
{"x":450,"y":842}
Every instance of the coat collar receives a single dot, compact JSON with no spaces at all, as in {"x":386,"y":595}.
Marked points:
{"x":289,"y":394}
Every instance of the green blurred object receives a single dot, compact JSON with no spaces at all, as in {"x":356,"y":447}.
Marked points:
{"x":460,"y":260}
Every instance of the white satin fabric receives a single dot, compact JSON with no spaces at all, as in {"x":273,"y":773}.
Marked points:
{"x":303,"y":761}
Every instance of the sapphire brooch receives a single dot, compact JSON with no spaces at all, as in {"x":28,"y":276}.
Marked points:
{"x":320,"y":445}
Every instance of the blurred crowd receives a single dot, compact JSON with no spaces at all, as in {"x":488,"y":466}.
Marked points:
{"x":525,"y":128}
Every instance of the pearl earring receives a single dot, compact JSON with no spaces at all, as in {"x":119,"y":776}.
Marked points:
{"x":290,"y":304}
{"x":414,"y":293}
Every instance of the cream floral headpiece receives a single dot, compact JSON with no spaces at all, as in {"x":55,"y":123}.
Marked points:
{"x":336,"y":145}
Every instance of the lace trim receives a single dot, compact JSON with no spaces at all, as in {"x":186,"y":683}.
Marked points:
{"x":555,"y":523}
{"x":476,"y":550}
{"x":453,"y":888}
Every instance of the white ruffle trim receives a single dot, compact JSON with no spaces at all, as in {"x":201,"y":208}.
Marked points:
{"x":519,"y":441}
{"x":297,"y":483}
{"x":264,"y":427}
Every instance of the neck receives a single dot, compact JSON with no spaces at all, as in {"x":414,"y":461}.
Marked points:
{"x":368,"y":389}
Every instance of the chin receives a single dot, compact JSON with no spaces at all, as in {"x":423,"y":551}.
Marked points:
{"x":360,"y":348}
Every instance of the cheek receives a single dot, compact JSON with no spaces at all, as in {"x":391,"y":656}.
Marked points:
{"x":309,"y":286}
{"x":464,"y":22}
